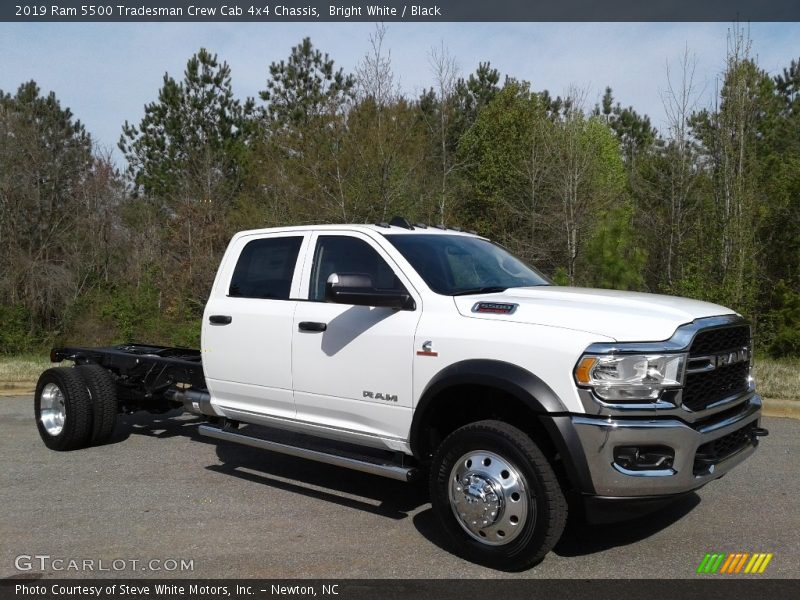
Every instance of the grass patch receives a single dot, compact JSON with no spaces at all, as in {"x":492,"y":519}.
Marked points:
{"x":779,"y":379}
{"x":24,"y":368}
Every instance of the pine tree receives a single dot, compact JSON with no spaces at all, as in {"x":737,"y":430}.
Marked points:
{"x":306,"y":86}
{"x":194,"y":134}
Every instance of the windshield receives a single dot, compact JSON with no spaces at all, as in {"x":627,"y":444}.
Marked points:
{"x":456,"y":264}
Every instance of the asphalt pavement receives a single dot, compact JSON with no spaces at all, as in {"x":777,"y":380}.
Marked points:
{"x":160,"y":495}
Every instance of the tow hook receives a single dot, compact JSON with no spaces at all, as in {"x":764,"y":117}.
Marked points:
{"x":757,"y":432}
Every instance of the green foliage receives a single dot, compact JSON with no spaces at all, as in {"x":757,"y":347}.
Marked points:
{"x":128,"y":311}
{"x":305,"y":86}
{"x":634,"y":131}
{"x":785,"y":322}
{"x":504,"y":152}
{"x":196,"y":129}
{"x":706,"y":209}
{"x":15,"y":334}
{"x":470,"y":96}
{"x":189,"y":159}
{"x":607,"y":167}
{"x":613,"y":258}
{"x":47,"y":179}
{"x":560,"y":276}
{"x":142,"y":314}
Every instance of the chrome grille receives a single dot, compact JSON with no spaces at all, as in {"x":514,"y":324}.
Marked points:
{"x":705,"y":388}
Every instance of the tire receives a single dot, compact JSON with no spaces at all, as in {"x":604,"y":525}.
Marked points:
{"x":102,"y":390}
{"x":512,"y":508}
{"x":63,"y":409}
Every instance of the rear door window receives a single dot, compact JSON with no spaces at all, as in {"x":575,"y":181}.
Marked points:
{"x":265,"y":268}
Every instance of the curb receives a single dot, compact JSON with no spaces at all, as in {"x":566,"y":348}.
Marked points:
{"x":781,"y":408}
{"x":17,"y":388}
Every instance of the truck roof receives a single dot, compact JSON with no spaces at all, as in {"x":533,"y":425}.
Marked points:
{"x":382,"y":228}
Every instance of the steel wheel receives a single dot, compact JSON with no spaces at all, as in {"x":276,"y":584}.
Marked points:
{"x":63,"y":409}
{"x":488,"y":497}
{"x":496,"y":496}
{"x":54,"y":411}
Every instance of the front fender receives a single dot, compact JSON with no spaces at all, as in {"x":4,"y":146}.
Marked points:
{"x":523,"y":385}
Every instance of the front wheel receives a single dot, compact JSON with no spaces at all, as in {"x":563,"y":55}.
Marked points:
{"x":496,"y":496}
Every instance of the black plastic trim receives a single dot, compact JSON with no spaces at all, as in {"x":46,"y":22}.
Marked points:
{"x":601,"y":510}
{"x":521,"y":384}
{"x":565,"y":437}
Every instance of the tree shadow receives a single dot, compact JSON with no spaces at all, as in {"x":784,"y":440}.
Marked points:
{"x":378,"y":495}
{"x":581,"y":538}
{"x":362,"y":491}
{"x":161,"y":426}
{"x":427,"y":525}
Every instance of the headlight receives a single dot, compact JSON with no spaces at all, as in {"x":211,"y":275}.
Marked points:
{"x":623,"y":377}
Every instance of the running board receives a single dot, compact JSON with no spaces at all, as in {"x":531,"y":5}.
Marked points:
{"x":365,"y":465}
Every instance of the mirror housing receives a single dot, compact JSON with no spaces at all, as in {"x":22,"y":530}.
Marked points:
{"x":358,"y":289}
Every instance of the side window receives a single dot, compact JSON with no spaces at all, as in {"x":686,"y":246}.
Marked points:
{"x":265,"y":268}
{"x":344,"y":254}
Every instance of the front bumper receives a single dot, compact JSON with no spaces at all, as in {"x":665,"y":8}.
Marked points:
{"x":599,"y":436}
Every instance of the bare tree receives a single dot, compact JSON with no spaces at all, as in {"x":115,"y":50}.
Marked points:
{"x":736,"y":133}
{"x":571,"y":171}
{"x":374,"y":75}
{"x":445,"y":73}
{"x":680,"y":101}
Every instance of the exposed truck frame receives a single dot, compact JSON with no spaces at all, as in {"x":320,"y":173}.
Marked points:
{"x":158,"y":379}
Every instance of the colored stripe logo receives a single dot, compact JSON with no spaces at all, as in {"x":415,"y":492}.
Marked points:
{"x":734,"y":563}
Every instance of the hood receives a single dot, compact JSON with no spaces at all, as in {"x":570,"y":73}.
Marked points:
{"x":622,"y":316}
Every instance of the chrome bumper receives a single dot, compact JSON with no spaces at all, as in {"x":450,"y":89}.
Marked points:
{"x":599,"y":436}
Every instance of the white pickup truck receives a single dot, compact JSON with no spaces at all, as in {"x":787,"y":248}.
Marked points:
{"x":399,"y":350}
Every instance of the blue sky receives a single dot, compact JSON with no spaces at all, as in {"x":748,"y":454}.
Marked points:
{"x":106,"y":72}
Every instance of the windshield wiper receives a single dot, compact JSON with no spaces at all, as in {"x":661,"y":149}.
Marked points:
{"x":481,"y":290}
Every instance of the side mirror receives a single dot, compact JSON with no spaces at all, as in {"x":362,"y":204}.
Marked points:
{"x":358,"y":289}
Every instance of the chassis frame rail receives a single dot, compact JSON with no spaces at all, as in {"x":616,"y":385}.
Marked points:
{"x":144,"y":372}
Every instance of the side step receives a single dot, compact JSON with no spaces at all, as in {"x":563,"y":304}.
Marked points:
{"x":364,"y":464}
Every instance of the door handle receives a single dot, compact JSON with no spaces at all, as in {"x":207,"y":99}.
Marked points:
{"x":312,"y":326}
{"x":220,"y":319}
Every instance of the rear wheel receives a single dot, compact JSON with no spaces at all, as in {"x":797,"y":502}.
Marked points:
{"x":103,"y":391}
{"x":496,"y":496}
{"x":63,"y":409}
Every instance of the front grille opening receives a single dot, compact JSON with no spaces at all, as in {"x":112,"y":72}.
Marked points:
{"x":702,"y":389}
{"x":716,"y":451}
{"x":721,"y":339}
{"x":706,"y":388}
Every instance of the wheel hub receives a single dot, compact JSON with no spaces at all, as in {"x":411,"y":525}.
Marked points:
{"x":53,"y":411}
{"x":479,"y":503}
{"x":488,"y":497}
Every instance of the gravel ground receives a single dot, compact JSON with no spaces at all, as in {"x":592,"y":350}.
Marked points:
{"x":160,"y":491}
